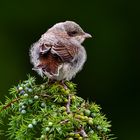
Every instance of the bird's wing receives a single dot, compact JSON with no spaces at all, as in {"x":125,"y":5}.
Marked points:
{"x":65,"y":52}
{"x":48,"y":62}
{"x":51,"y":57}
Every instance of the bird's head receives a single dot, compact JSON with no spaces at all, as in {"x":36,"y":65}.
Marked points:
{"x":73,"y":30}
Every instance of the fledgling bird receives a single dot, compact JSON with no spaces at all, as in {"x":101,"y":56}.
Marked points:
{"x":58,"y":54}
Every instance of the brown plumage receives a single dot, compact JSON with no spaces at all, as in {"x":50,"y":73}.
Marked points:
{"x":51,"y":57}
{"x":49,"y":62}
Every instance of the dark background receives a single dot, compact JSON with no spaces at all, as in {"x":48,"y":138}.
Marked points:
{"x":111,"y":75}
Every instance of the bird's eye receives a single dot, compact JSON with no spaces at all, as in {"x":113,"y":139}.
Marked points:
{"x":72,"y":33}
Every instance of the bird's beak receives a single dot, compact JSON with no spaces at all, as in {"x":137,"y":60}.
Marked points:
{"x":87,"y":35}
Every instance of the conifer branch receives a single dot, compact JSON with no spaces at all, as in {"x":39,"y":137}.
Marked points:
{"x":9,"y":104}
{"x":49,"y":112}
{"x":68,"y":104}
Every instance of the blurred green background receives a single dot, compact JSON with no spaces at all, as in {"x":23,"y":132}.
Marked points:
{"x":111,"y":75}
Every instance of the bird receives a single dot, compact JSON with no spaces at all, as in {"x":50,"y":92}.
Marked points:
{"x":59,"y":54}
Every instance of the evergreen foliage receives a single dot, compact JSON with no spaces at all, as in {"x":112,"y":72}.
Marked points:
{"x":52,"y":112}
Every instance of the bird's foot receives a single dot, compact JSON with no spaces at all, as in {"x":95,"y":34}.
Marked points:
{"x":62,"y":83}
